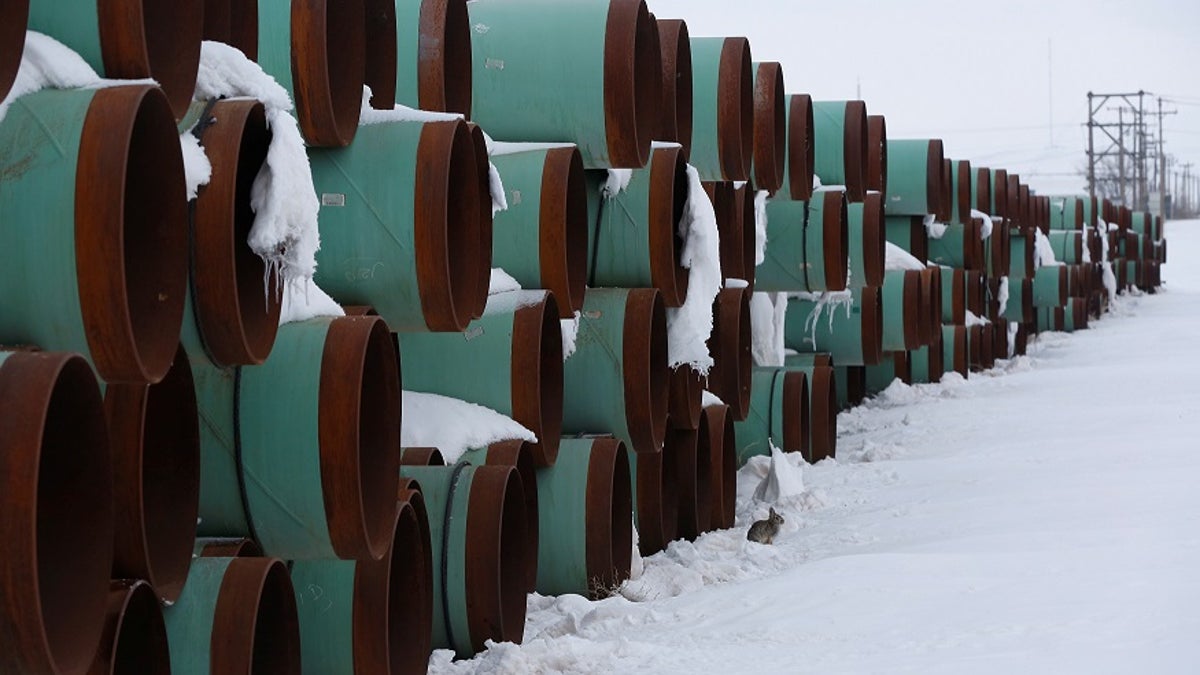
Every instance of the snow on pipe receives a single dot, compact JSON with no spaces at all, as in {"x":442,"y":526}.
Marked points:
{"x":955,"y":356}
{"x":585,"y":509}
{"x":810,"y":245}
{"x":128,"y":39}
{"x":421,"y":457}
{"x":867,"y":245}
{"x":633,"y":236}
{"x":608,"y":48}
{"x":801,"y":147}
{"x":477,"y":532}
{"x":14,"y":17}
{"x":518,"y":345}
{"x":853,"y":338}
{"x":235,"y":615}
{"x":876,"y":167}
{"x":226,"y":547}
{"x":134,"y":641}
{"x":155,"y":440}
{"x":1020,"y":301}
{"x":550,"y":216}
{"x":1051,"y":286}
{"x":930,"y":309}
{"x":770,"y":126}
{"x":430,"y":50}
{"x":234,"y":22}
{"x":675,"y":120}
{"x":842,"y":138}
{"x":723,"y":108}
{"x":901,"y":297}
{"x":421,"y":262}
{"x":685,"y":397}
{"x":961,"y":246}
{"x":716,"y":429}
{"x":519,"y":455}
{"x":317,"y":50}
{"x":915,"y":177}
{"x":821,"y":427}
{"x":731,"y":347}
{"x":318,"y":425}
{"x":54,"y":565}
{"x":362,"y":616}
{"x":909,"y":233}
{"x":621,"y":360}
{"x":692,"y":469}
{"x":119,"y":148}
{"x":235,"y":309}
{"x":655,"y":490}
{"x":778,"y":414}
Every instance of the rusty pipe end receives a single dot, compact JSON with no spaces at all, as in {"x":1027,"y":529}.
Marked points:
{"x":237,"y":313}
{"x":131,"y":233}
{"x":730,"y":345}
{"x":657,"y":499}
{"x":153,"y":40}
{"x":256,"y":628}
{"x":632,"y":82}
{"x":960,"y":363}
{"x":855,"y":139}
{"x":414,"y":581}
{"x":770,"y":130}
{"x":482,"y":269}
{"x":234,"y":22}
{"x":444,"y":71}
{"x":676,"y":119}
{"x":983,"y":190}
{"x":795,"y":411}
{"x":563,"y":228}
{"x":645,"y":374}
{"x":962,"y":176}
{"x":155,"y":435}
{"x":912,"y":299}
{"x":748,"y":216}
{"x":685,"y":397}
{"x":735,"y":109}
{"x":872,"y":325}
{"x":135,"y":635}
{"x":668,"y":198}
{"x":681,"y":449}
{"x":934,"y":178}
{"x":421,"y":457}
{"x":55,"y":568}
{"x":836,"y":237}
{"x":519,"y":454}
{"x":609,"y":500}
{"x":801,"y":148}
{"x":359,"y":432}
{"x":874,"y":239}
{"x":537,"y":376}
{"x":823,"y":410}
{"x":877,"y":153}
{"x":328,"y":69}
{"x":496,"y":568}
{"x":717,"y":426}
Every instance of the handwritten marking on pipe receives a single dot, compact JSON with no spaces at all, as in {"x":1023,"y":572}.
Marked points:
{"x":472,"y":333}
{"x":593,"y":314}
{"x":493,"y":64}
{"x":482,"y":28}
{"x":515,"y":199}
{"x":333,"y":199}
{"x":361,"y":273}
{"x":317,"y":594}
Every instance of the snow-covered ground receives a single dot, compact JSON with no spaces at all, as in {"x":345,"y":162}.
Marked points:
{"x":1044,"y":517}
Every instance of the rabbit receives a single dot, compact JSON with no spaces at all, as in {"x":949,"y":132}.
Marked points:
{"x":764,"y":531}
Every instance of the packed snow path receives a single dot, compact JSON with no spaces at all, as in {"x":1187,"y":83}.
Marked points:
{"x":1044,"y":517}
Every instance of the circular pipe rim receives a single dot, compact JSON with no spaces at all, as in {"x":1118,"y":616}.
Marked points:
{"x":421,"y":457}
{"x":668,"y":198}
{"x":657,"y":500}
{"x":836,"y":240}
{"x":963,"y":195}
{"x":677,"y":83}
{"x":749,"y":218}
{"x":983,"y":190}
{"x":823,"y":409}
{"x":770,"y":130}
{"x":644,"y":369}
{"x":231,"y":281}
{"x":234,"y":22}
{"x":681,"y":446}
{"x":256,"y":628}
{"x":723,"y":465}
{"x":135,"y":616}
{"x":855,"y":136}
{"x":794,"y":408}
{"x":562,"y":229}
{"x":729,"y":377}
{"x":154,"y":434}
{"x":704,"y":481}
{"x":444,"y":71}
{"x":418,"y":641}
{"x":945,"y":213}
{"x":14,"y":17}
{"x":131,"y":251}
{"x":519,"y":454}
{"x":496,"y":579}
{"x":328,"y":69}
{"x":876,"y":179}
{"x":801,"y":147}
{"x":537,"y":376}
{"x":934,"y":179}
{"x":609,"y":500}
{"x":632,"y":82}
{"x":359,"y":433}
{"x":153,"y":40}
{"x":243,"y":547}
{"x":961,"y":364}
{"x":735,"y":109}
{"x":483,"y":268}
{"x":874,"y":241}
{"x":55,"y":569}
{"x":685,"y":397}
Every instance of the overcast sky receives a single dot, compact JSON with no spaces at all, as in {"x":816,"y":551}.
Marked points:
{"x":976,"y":74}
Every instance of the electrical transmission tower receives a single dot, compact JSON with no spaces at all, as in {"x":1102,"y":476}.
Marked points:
{"x":1128,"y":144}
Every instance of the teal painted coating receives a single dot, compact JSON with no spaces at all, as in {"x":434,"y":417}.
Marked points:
{"x":190,"y":620}
{"x":881,"y":375}
{"x":75,"y":23}
{"x":908,"y":177}
{"x":1014,"y":311}
{"x":836,"y":330}
{"x":893,"y":311}
{"x":325,"y":607}
{"x":222,"y":513}
{"x":706,"y":142}
{"x":447,"y":491}
{"x":898,"y":230}
{"x":829,"y":135}
{"x":785,"y":191}
{"x":1018,"y":245}
{"x":408,"y":54}
{"x":593,"y":378}
{"x":795,"y":260}
{"x":1063,"y":213}
{"x":275,"y":42}
{"x":841,"y":382}
{"x":857,"y":244}
{"x":562,"y":517}
{"x":281,"y":453}
{"x":919,"y":364}
{"x":1063,"y":244}
{"x":39,"y":154}
{"x":538,"y":72}
{"x":753,"y":436}
{"x":368,"y":249}
{"x":517,"y":229}
{"x":950,"y":355}
{"x":474,"y":365}
{"x":621,"y":252}
{"x":956,"y":205}
{"x":950,"y":248}
{"x":947,"y":286}
{"x":1048,"y":288}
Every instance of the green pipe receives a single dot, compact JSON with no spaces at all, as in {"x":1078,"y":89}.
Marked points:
{"x":477,"y":532}
{"x":519,"y":455}
{"x":1050,"y":286}
{"x":954,"y":295}
{"x":234,"y":615}
{"x":616,"y":381}
{"x":510,"y":360}
{"x":801,"y":148}
{"x":1067,"y":245}
{"x":98,"y":265}
{"x":809,"y":245}
{"x":901,"y":304}
{"x":927,"y":363}
{"x":547,"y":213}
{"x":585,"y":508}
{"x":909,"y":233}
{"x":851,"y":335}
{"x":722,"y":108}
{"x":840,"y":136}
{"x":893,"y":366}
{"x":955,"y":355}
{"x":1020,"y":262}
{"x":914,"y":177}
{"x":867,"y":241}
{"x":433,"y":55}
{"x":414,"y":260}
{"x":851,"y":385}
{"x":778,"y":414}
{"x":960,"y":246}
{"x":1020,"y":301}
{"x":633,"y":237}
{"x":222,"y":512}
{"x":582,"y":72}
{"x":1067,"y":213}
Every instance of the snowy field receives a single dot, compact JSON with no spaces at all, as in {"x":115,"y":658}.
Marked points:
{"x":1042,"y":517}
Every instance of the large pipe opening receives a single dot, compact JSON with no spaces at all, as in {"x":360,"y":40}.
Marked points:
{"x":537,"y":376}
{"x":563,"y":228}
{"x":632,"y":82}
{"x":609,"y":505}
{"x":163,"y":43}
{"x":496,"y":548}
{"x":770,"y":132}
{"x":380,"y":56}
{"x":836,"y":239}
{"x":723,"y":465}
{"x":794,"y":411}
{"x":801,"y":146}
{"x":735,"y":109}
{"x":644,"y":355}
{"x":823,"y":409}
{"x":676,"y":118}
{"x":135,"y":636}
{"x":328,"y":69}
{"x":855,"y":136}
{"x":877,"y":154}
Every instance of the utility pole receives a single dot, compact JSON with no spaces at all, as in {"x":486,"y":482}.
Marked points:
{"x":1117,"y":144}
{"x":1162,"y":159}
{"x":1121,"y":153}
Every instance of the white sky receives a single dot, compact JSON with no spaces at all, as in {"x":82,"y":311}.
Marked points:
{"x":976,"y":74}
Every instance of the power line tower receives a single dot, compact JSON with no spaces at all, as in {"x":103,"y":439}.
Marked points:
{"x":1160,"y":167}
{"x":1119,"y":146}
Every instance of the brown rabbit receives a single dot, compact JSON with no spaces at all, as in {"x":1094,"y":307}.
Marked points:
{"x":764,"y":531}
